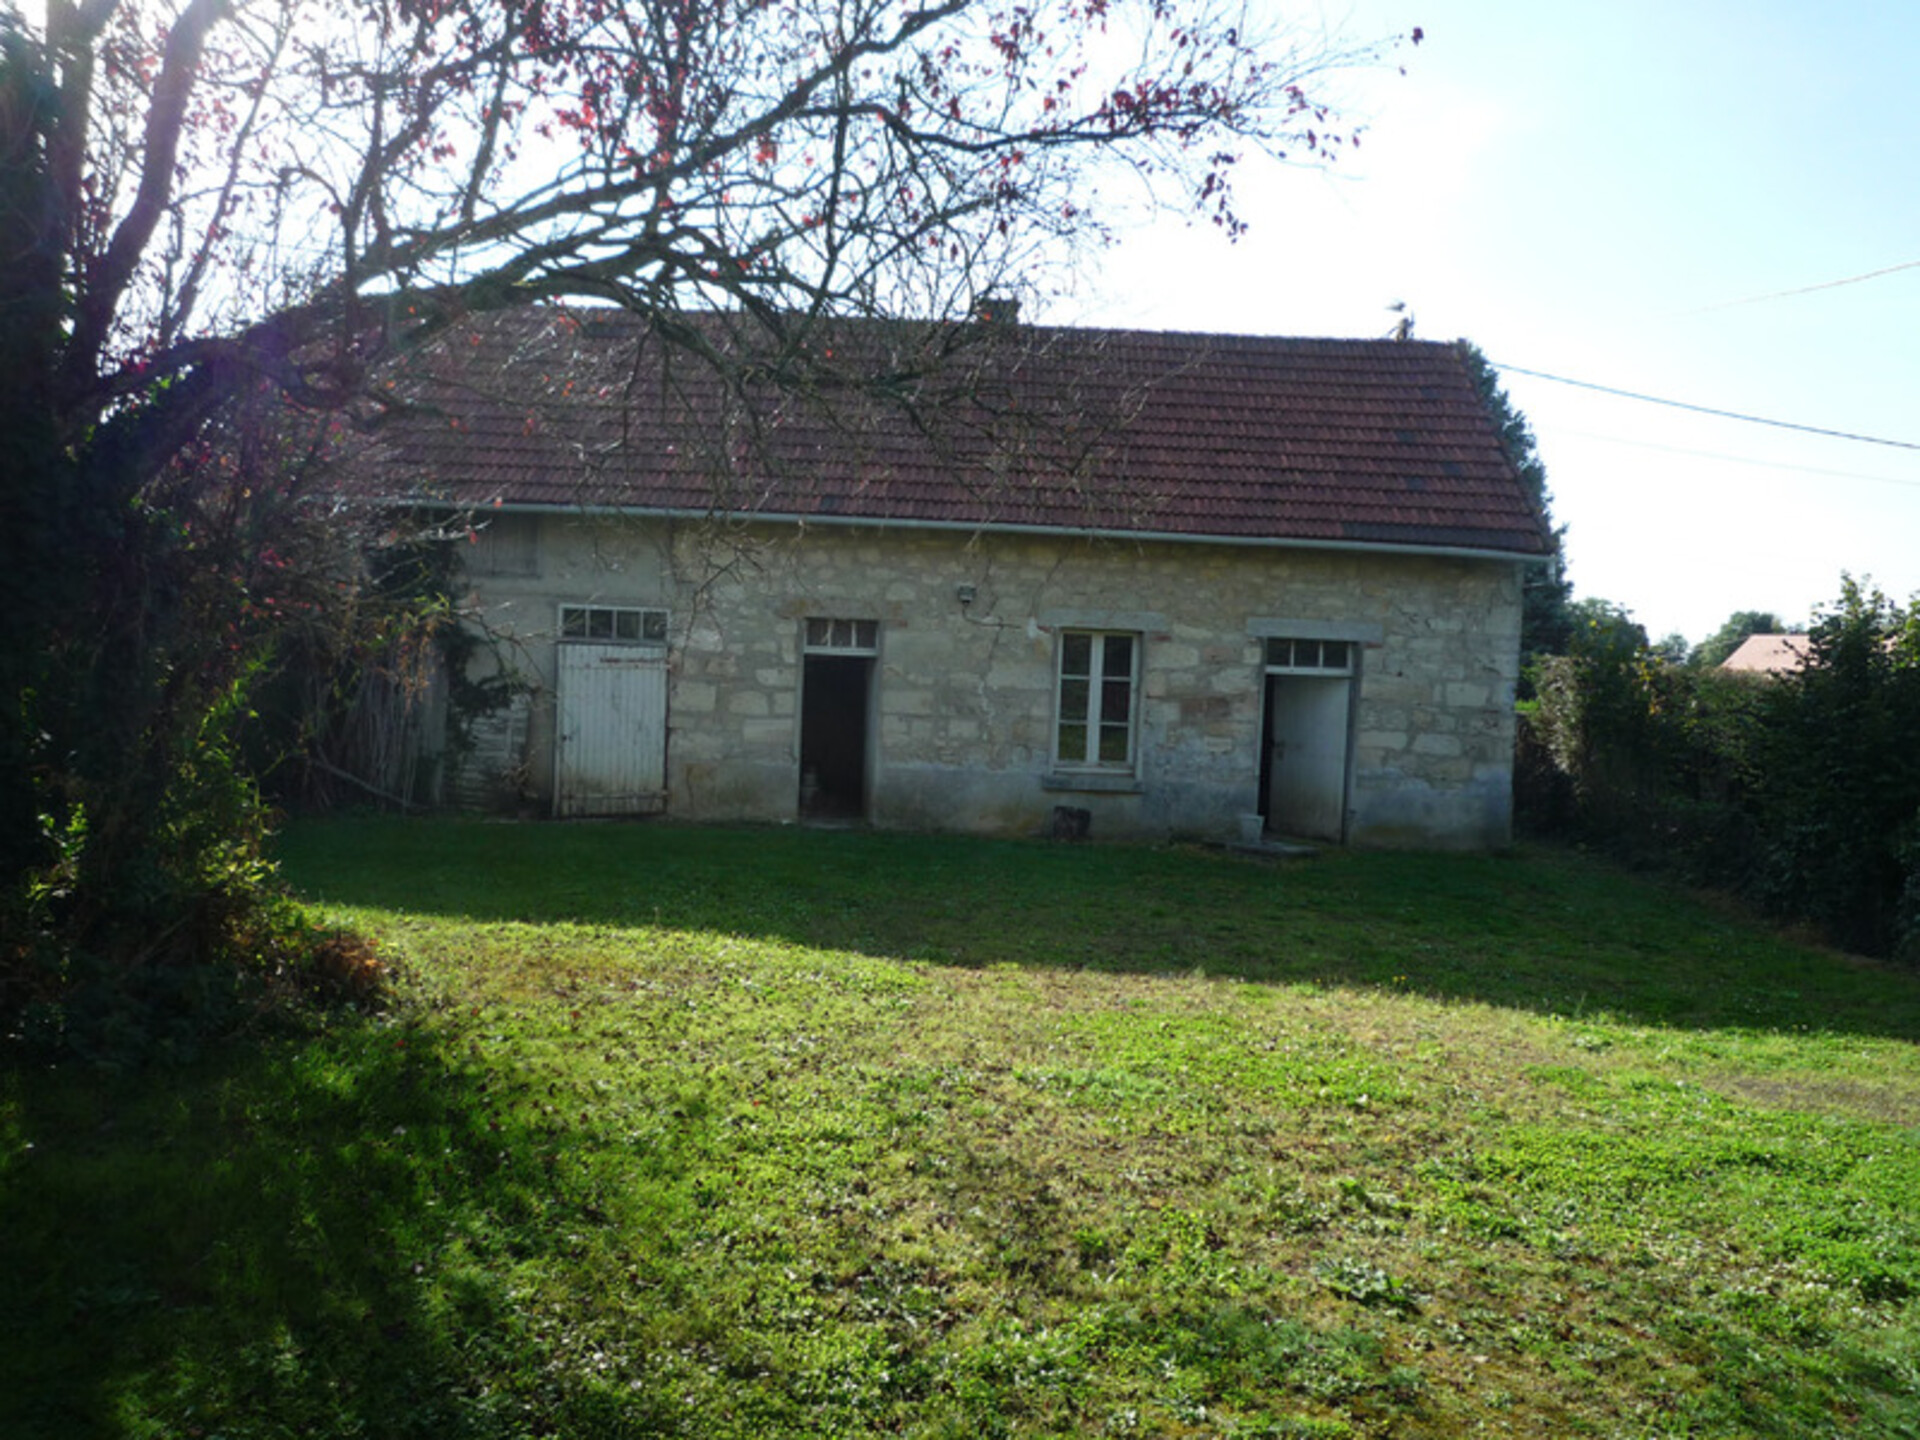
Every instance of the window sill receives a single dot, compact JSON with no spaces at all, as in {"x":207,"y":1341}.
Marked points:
{"x":1092,"y":780}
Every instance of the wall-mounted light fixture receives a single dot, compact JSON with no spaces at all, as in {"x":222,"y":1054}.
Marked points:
{"x":965,"y":594}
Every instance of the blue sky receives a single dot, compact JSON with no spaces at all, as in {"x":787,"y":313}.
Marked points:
{"x":1603,"y":192}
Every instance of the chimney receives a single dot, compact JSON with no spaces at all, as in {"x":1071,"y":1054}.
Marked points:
{"x":997,"y":310}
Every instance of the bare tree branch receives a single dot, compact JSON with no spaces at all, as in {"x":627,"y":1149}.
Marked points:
{"x":109,"y":277}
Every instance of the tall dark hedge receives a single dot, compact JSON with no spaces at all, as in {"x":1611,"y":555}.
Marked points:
{"x":1800,"y":792}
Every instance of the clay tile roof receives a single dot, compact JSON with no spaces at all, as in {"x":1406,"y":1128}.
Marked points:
{"x":1204,"y":436}
{"x":1770,"y":654}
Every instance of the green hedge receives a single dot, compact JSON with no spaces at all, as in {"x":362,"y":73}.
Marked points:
{"x":1800,"y":792}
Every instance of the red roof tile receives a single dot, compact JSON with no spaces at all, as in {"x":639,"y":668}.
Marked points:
{"x":1203,"y":436}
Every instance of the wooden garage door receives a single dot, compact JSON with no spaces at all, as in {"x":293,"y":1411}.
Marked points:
{"x":612,"y":730}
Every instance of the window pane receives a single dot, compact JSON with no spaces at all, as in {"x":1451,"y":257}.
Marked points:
{"x":655,"y":627}
{"x":626,"y":624}
{"x":573,"y":622}
{"x":1096,"y":687}
{"x":866,"y":634}
{"x":1074,"y":695}
{"x":599,"y":624}
{"x":1076,"y":655}
{"x":1073,"y":743}
{"x":819,"y":632}
{"x":1333,"y":655}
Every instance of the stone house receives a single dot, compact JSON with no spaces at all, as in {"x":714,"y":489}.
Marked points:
{"x":1167,"y":582}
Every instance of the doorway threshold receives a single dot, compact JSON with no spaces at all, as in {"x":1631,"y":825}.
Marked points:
{"x":1273,"y":847}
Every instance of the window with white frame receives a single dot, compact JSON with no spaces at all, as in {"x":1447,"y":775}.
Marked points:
{"x":1309,"y":657}
{"x":832,"y":636}
{"x":613,"y":624}
{"x":1096,"y":703}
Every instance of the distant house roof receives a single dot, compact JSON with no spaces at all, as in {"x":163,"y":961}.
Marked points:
{"x":1315,"y":442}
{"x":1769,"y":654}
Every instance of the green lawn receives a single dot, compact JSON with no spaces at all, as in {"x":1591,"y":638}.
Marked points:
{"x":770,"y":1133}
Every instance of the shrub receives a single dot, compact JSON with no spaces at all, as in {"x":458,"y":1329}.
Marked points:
{"x":1800,"y":792}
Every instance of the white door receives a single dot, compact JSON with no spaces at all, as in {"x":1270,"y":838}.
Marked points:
{"x":1307,"y":733}
{"x":612,"y":730}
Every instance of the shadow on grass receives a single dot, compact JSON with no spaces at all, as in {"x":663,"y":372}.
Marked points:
{"x":1546,"y":932}
{"x":304,"y":1238}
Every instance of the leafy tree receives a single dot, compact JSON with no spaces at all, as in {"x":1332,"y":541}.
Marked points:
{"x":1730,"y":636}
{"x":1547,"y":617}
{"x":1604,"y":627}
{"x":1584,"y":739}
{"x":1672,"y":648}
{"x":208,"y":204}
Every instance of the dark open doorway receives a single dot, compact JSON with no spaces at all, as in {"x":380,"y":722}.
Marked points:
{"x":834,"y":704}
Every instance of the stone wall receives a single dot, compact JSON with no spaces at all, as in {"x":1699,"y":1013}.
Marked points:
{"x":964,"y":690}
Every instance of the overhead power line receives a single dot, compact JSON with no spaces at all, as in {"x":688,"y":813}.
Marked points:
{"x":1808,"y":289}
{"x":1741,"y":459}
{"x":1708,"y":409}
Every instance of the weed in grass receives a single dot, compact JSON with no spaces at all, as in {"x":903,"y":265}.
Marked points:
{"x":1366,"y":1284}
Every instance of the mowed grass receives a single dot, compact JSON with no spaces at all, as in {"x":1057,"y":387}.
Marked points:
{"x":709,"y":1132}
